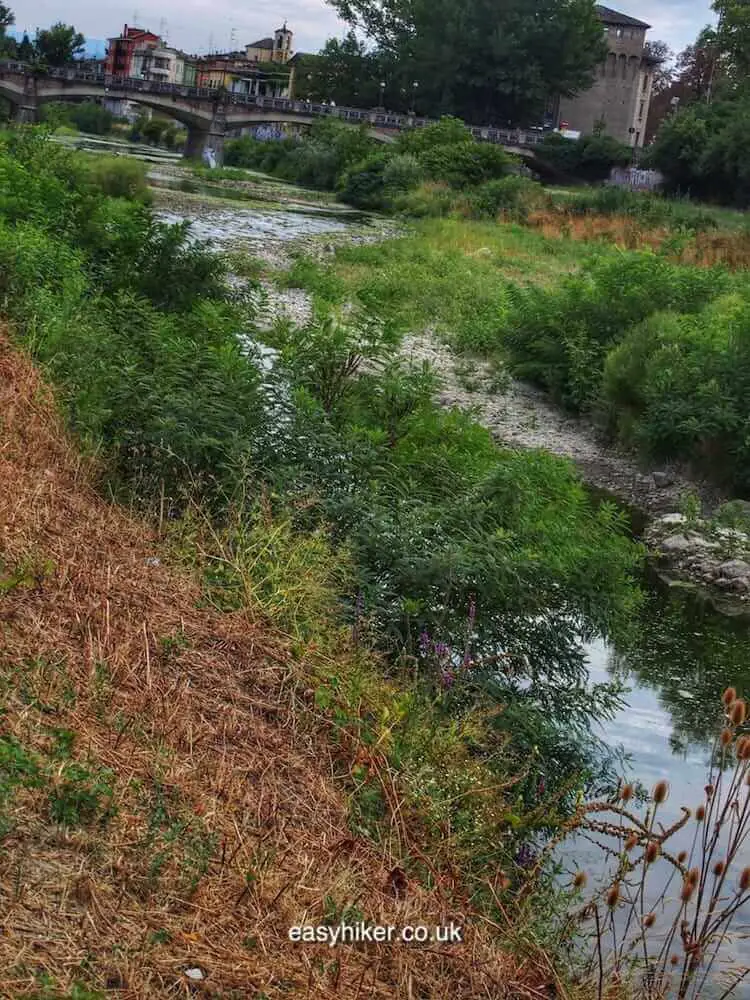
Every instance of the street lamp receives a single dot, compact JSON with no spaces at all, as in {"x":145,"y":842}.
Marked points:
{"x":414,"y":88}
{"x":382,"y":96}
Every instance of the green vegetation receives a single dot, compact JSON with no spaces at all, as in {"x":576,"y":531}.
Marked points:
{"x":459,"y":549}
{"x":654,"y":350}
{"x":480,"y":63}
{"x":88,"y":116}
{"x":157,"y":132}
{"x":338,"y":157}
{"x":589,"y":158}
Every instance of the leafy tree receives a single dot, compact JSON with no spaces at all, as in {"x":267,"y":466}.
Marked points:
{"x":59,"y":44}
{"x":733,"y":35}
{"x":664,"y":68}
{"x":25,"y":50}
{"x":8,"y":45}
{"x":482,"y":60}
{"x":698,"y":71}
{"x":344,"y":72}
{"x":591,"y":157}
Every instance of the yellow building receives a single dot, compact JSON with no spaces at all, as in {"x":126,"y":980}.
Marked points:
{"x":277,"y":49}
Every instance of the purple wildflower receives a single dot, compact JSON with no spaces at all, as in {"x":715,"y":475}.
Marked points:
{"x":525,"y":857}
{"x":448,"y":677}
{"x":441,"y":650}
{"x":424,"y":643}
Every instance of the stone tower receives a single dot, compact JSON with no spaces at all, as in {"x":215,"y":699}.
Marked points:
{"x":620,"y":97}
{"x":282,"y":44}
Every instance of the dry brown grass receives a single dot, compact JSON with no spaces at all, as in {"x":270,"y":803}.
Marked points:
{"x":194,"y":714}
{"x":705,"y":249}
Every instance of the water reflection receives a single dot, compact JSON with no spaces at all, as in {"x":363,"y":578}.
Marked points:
{"x":677,"y":665}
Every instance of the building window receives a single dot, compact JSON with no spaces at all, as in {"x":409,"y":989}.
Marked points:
{"x":620,"y":32}
{"x":611,"y":64}
{"x":645,"y":82}
{"x":624,"y":67}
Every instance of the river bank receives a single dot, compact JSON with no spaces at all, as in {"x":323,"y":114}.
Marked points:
{"x":331,"y":575}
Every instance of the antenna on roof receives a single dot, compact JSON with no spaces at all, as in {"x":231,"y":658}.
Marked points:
{"x":135,"y":17}
{"x":210,"y":43}
{"x":163,"y":29}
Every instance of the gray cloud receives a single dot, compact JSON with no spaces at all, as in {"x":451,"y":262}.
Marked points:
{"x":193,"y":24}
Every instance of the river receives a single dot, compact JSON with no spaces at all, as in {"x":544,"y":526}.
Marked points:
{"x":684,"y":653}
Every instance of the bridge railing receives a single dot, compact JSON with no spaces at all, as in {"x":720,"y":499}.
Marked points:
{"x":229,"y":99}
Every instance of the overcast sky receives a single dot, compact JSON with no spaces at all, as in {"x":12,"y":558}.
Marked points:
{"x":194,"y":25}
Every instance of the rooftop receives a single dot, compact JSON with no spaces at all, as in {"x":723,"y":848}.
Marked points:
{"x":609,"y":16}
{"x":264,"y":43}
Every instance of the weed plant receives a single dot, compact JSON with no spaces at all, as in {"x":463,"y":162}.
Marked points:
{"x":671,"y":945}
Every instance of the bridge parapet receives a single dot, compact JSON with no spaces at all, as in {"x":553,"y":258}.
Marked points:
{"x":198,"y":106}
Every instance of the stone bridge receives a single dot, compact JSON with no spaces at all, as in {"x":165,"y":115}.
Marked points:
{"x":209,"y":115}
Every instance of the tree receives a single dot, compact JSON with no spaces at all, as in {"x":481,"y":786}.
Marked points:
{"x":25,"y":49}
{"x":733,"y":35}
{"x":698,"y":72}
{"x":344,"y":71}
{"x":8,"y":44}
{"x":7,"y":18}
{"x":483,"y":60}
{"x":663,"y":71}
{"x":59,"y":44}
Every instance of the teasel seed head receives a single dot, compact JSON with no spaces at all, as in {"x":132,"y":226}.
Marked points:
{"x":745,"y":879}
{"x":674,"y":960}
{"x":738,"y":712}
{"x":649,"y":920}
{"x":652,"y":852}
{"x":627,"y":792}
{"x":660,"y":792}
{"x":694,"y":876}
{"x":726,"y":737}
{"x":700,"y":814}
{"x":743,"y":748}
{"x":613,"y":896}
{"x":729,"y":696}
{"x":682,"y":857}
{"x":709,"y":789}
{"x":580,"y":880}
{"x":631,"y":842}
{"x":687,"y":891}
{"x":719,"y":869}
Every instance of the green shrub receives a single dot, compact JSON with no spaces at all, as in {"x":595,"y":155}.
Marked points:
{"x":89,"y":116}
{"x":512,"y":197}
{"x":560,"y":336}
{"x":429,"y":200}
{"x":590,"y":158}
{"x":465,"y":164}
{"x":402,"y":173}
{"x":119,"y":177}
{"x":677,"y":387}
{"x":446,"y":132}
{"x":364,"y":184}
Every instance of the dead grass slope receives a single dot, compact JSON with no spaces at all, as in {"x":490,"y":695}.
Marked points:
{"x":160,"y":810}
